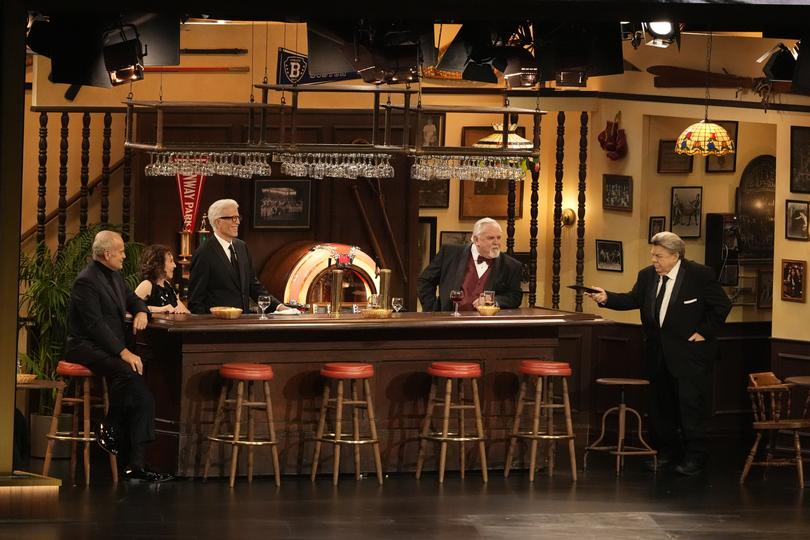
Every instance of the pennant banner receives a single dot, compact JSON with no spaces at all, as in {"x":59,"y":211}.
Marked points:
{"x":189,"y":188}
{"x":293,"y":68}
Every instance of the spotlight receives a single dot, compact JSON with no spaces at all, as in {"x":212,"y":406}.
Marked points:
{"x":632,"y":32}
{"x":521,"y":67}
{"x":662,"y":33}
{"x":123,"y":55}
{"x":781,"y":63}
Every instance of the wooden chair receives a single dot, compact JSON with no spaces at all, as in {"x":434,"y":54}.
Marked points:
{"x":770,"y":399}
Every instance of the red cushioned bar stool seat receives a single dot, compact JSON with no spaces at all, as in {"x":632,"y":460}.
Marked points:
{"x":460,"y":373}
{"x":77,"y":395}
{"x":358,"y":376}
{"x":244,"y":376}
{"x":542,"y":374}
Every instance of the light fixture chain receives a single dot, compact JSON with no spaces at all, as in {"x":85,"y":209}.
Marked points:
{"x":708,"y":74}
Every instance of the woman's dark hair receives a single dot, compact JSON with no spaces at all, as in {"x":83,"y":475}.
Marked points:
{"x":153,"y":261}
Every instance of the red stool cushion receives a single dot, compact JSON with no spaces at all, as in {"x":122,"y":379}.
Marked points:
{"x":246,"y":371}
{"x":543,"y":368}
{"x":347,"y":370}
{"x":455,"y":370}
{"x":69,"y":369}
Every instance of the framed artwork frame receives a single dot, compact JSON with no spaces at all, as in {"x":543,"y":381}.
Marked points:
{"x":426,"y":241}
{"x":670,"y":161}
{"x":686,"y":208}
{"x":794,"y":280}
{"x":799,"y":159}
{"x":617,"y":192}
{"x":765,"y":289}
{"x":609,"y":256}
{"x":728,"y":163}
{"x":657,"y":224}
{"x":431,"y":129}
{"x":523,"y":258}
{"x":486,"y":199}
{"x":796,"y":220}
{"x":434,"y":193}
{"x":455,"y":238}
{"x":282,"y":203}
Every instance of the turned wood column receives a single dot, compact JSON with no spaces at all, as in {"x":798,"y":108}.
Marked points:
{"x":558,"y":185}
{"x":583,"y":159}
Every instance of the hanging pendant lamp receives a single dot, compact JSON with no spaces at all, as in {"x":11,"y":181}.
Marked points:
{"x":495,"y":139}
{"x":705,"y":138}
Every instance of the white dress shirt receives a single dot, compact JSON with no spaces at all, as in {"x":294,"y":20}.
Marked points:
{"x":481,"y":267}
{"x":225,"y":245}
{"x":668,"y":293}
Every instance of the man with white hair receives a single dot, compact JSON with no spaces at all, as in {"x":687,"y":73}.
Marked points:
{"x":473,"y":268}
{"x":682,"y":309}
{"x":98,"y":338}
{"x":221,"y":269}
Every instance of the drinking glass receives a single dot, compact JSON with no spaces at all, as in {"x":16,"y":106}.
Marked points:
{"x":264,"y":303}
{"x":373,"y":301}
{"x":396,"y":303}
{"x":456,"y":296}
{"x":488,"y":298}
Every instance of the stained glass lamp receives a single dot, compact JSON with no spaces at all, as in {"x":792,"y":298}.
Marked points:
{"x":706,"y":139}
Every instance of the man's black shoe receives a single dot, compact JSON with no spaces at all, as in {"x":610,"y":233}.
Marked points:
{"x":689,"y":468}
{"x":662,"y":462}
{"x":108,"y":439}
{"x":142,"y":474}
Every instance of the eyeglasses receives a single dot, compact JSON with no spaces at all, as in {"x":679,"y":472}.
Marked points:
{"x":232,"y":219}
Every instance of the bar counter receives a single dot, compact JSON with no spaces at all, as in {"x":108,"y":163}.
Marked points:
{"x":182,"y":354}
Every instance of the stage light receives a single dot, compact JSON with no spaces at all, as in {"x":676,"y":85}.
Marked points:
{"x":662,"y":33}
{"x":123,"y":55}
{"x":781,"y":62}
{"x":521,"y":67}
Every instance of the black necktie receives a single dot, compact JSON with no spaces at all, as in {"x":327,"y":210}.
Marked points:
{"x":659,"y":299}
{"x":234,"y":262}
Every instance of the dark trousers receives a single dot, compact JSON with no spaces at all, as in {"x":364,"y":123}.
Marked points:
{"x":679,"y":412}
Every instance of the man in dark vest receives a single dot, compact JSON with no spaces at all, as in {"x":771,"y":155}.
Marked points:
{"x":474,"y":268}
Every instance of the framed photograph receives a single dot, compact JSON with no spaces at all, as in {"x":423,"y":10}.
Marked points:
{"x":724,"y":164}
{"x":685,"y":211}
{"x":455,"y":238}
{"x":799,"y":159}
{"x":426,"y":241}
{"x":729,"y":275}
{"x":794,"y":274}
{"x":431,"y":129}
{"x":486,"y":199}
{"x":434,"y":193}
{"x":617,"y":192}
{"x":609,"y":256}
{"x":282,"y":204}
{"x":523,"y":257}
{"x":671,"y":162}
{"x":657,"y":224}
{"x":796,"y":214}
{"x":765,"y":289}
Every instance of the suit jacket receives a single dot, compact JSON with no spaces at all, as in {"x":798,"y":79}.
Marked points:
{"x":97,"y":325}
{"x":213,"y":281}
{"x":697,"y":304}
{"x":447,"y":269}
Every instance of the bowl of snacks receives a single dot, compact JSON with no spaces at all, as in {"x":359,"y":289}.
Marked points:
{"x":488,"y":310}
{"x":226,"y":312}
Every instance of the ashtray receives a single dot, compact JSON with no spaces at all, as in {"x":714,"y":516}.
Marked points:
{"x":488,"y":310}
{"x":375,"y":313}
{"x":222,"y":312}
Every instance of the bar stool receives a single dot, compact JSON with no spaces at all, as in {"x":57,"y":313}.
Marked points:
{"x":76,"y":374}
{"x":542,"y":374}
{"x":241,"y":373}
{"x":620,"y":449}
{"x":450,"y":372}
{"x":354,"y":373}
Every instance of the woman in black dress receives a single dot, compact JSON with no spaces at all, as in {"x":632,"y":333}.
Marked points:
{"x":157,"y":269}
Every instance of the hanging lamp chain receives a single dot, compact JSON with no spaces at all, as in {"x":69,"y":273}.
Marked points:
{"x":708,"y":74}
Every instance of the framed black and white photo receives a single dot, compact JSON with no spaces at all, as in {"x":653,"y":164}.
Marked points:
{"x":799,"y":159}
{"x":686,"y":208}
{"x":727,"y":163}
{"x":670,"y":161}
{"x":609,"y":256}
{"x":794,"y":277}
{"x":617,"y":192}
{"x":765,"y":289}
{"x":657,"y":224}
{"x":796,"y":214}
{"x":426,"y":241}
{"x":431,"y":129}
{"x":434,"y":193}
{"x":455,"y":238}
{"x":282,"y":204}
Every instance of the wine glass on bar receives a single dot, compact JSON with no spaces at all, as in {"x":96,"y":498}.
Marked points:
{"x":456,"y":296}
{"x":264,"y":303}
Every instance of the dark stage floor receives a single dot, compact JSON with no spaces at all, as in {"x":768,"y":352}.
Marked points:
{"x":637,"y":505}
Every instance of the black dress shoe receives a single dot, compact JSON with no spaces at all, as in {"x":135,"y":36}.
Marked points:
{"x":690,"y":468}
{"x":107,"y":438}
{"x":662,"y":462}
{"x":142,"y":474}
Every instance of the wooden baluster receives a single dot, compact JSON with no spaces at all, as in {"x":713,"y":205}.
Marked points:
{"x":533,"y":229}
{"x":126,"y":191}
{"x":63,"y":159}
{"x":105,"y":170}
{"x":583,"y":174}
{"x":558,"y":175}
{"x":510,"y":218}
{"x":42,"y":175}
{"x":84,"y":177}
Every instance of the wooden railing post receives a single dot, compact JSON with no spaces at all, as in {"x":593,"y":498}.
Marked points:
{"x":85,"y":171}
{"x":42,"y":175}
{"x":105,"y":170}
{"x":558,"y":185}
{"x":583,"y":163}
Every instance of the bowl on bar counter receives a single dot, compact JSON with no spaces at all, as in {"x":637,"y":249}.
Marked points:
{"x":224,"y":312}
{"x":488,"y":310}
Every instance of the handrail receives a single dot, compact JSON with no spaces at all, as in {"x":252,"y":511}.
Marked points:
{"x":72,"y":200}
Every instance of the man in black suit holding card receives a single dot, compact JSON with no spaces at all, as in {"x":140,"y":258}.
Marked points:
{"x":682,"y":309}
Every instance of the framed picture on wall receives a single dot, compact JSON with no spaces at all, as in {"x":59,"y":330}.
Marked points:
{"x":523,"y":258}
{"x":728,"y":163}
{"x":657,"y":224}
{"x":609,"y":256}
{"x":800,"y":159}
{"x":617,"y":192}
{"x":796,"y":215}
{"x":455,"y":238}
{"x":426,"y":241}
{"x":431,"y":129}
{"x":765,"y":289}
{"x":282,"y":204}
{"x":434,"y":193}
{"x":794,"y":280}
{"x":685,"y":211}
{"x":671,"y":162}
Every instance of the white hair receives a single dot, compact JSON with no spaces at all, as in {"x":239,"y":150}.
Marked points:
{"x":104,"y":241}
{"x":671,"y":242}
{"x":483,"y":222}
{"x":216,"y":209}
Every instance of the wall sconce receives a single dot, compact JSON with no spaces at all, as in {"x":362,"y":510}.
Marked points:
{"x":569,"y":217}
